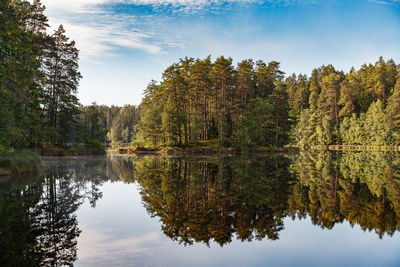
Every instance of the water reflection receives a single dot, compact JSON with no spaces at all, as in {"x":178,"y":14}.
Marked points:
{"x":204,"y":199}
{"x":213,"y":199}
{"x":362,"y":188}
{"x":200,"y":199}
{"x":38,"y":224}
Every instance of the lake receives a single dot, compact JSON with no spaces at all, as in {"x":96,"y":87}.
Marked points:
{"x":307,"y":209}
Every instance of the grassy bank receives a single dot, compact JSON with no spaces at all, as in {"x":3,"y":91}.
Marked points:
{"x":72,"y":151}
{"x":12,"y":163}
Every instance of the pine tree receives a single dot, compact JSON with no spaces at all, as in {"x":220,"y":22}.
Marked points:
{"x":301,"y":96}
{"x":201,"y":82}
{"x":267,"y":77}
{"x":375,"y":126}
{"x":222,"y":76}
{"x":245,"y":82}
{"x":19,"y":69}
{"x":149,"y":128}
{"x":315,"y":90}
{"x":37,"y":24}
{"x":393,"y":111}
{"x":62,"y":83}
{"x":176,"y":89}
{"x":280,"y":114}
{"x":329,"y":97}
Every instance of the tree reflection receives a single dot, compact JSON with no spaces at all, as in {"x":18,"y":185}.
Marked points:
{"x":362,"y":188}
{"x":201,"y":199}
{"x":38,"y":223}
{"x":204,"y":199}
{"x":211,"y":198}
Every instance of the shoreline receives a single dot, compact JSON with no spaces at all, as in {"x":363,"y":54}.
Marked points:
{"x":203,"y":151}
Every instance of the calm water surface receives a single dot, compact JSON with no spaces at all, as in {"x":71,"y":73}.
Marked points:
{"x":323,"y":209}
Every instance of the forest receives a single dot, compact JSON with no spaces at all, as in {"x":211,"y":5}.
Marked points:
{"x":253,"y":104}
{"x":198,"y":102}
{"x":39,"y":79}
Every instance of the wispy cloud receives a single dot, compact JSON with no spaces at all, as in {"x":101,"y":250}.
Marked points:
{"x":99,"y":31}
{"x":100,"y":39}
{"x":385,"y":2}
{"x":102,"y":247}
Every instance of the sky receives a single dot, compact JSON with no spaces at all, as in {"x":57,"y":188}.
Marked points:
{"x":124,"y":44}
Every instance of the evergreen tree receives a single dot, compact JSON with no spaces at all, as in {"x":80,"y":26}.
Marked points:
{"x":315,"y":90}
{"x":301,"y":97}
{"x":349,"y":96}
{"x":245,"y":82}
{"x":92,"y":132}
{"x":222,"y":76}
{"x":149,"y":127}
{"x":62,"y":83}
{"x":19,"y":69}
{"x":257,"y":124}
{"x":280,"y":115}
{"x":393,"y":112}
{"x":375,"y":126}
{"x":201,"y":82}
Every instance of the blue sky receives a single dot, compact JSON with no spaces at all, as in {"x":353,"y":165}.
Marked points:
{"x":126,"y":43}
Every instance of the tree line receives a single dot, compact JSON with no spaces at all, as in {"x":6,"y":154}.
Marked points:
{"x":39,"y":78}
{"x":199,"y":100}
{"x":253,"y":104}
{"x":361,"y":107}
{"x":119,"y":122}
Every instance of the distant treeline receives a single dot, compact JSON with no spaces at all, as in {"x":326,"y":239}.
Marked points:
{"x":252,"y":104}
{"x":119,"y":123}
{"x":39,"y":78}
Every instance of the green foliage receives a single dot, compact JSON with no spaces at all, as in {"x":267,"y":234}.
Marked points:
{"x":361,"y":107}
{"x":375,"y":126}
{"x":122,"y":124}
{"x":19,"y":75}
{"x":91,"y":131}
{"x":61,"y":103}
{"x":256,"y":126}
{"x":352,"y":130}
{"x":39,"y":78}
{"x":198,"y":100}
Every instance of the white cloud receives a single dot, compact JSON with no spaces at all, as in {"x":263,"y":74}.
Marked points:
{"x":81,"y":6}
{"x":99,"y":39}
{"x":101,"y":247}
{"x":98,"y":31}
{"x":385,"y":2}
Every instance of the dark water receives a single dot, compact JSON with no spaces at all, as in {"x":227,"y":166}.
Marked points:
{"x":325,"y":209}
